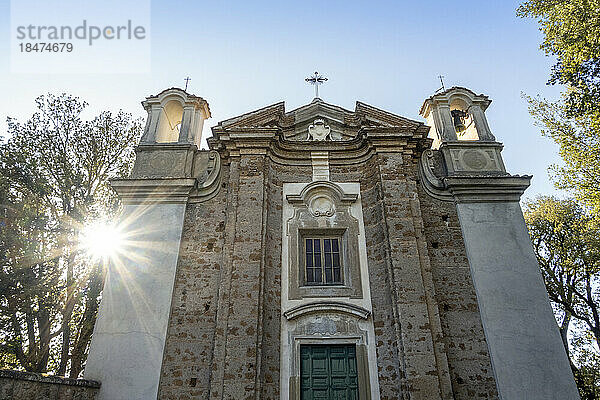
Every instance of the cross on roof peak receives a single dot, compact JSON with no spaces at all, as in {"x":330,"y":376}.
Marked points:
{"x":316,"y":79}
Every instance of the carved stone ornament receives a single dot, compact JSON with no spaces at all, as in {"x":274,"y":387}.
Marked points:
{"x":318,"y":130}
{"x":322,"y":206}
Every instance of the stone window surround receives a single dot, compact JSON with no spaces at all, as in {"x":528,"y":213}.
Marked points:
{"x":322,"y":209}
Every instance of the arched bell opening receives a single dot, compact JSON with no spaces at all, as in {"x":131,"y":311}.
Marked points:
{"x":463,"y":120}
{"x":170,"y":122}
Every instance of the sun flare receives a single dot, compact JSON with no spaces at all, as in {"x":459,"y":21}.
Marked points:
{"x":101,"y":240}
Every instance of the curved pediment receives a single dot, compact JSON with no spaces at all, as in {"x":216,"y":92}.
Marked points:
{"x":327,"y":307}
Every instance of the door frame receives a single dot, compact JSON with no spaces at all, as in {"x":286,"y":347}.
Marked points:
{"x":362,"y":364}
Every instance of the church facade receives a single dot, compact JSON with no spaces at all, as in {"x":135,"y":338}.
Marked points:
{"x":325,"y":253}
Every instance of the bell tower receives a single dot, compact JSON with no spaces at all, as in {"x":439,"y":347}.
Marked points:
{"x":170,"y":171}
{"x":174,"y":116}
{"x":457,"y":114}
{"x":465,"y":166}
{"x":460,"y":131}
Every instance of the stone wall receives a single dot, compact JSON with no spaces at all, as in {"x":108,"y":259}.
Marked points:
{"x":31,"y":386}
{"x":391,"y":374}
{"x":225,"y":317}
{"x":462,"y":340}
{"x":277,"y":175}
{"x":187,"y":364}
{"x":466,"y":348}
{"x":223,"y":339}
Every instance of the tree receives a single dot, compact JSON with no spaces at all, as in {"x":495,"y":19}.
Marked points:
{"x":578,"y":139}
{"x":565,"y":233}
{"x":571,"y":31}
{"x":566,"y":240}
{"x":32,"y":288}
{"x":55,"y":171}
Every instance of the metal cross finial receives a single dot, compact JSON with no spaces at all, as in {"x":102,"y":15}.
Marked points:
{"x":187,"y":80}
{"x":316,"y":80}
{"x":442,"y":81}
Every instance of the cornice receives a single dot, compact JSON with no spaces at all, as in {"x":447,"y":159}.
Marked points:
{"x":186,"y":99}
{"x":165,"y":190}
{"x":485,"y":189}
{"x":235,"y":142}
{"x":468,"y":188}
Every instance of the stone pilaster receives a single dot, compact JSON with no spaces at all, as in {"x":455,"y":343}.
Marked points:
{"x":426,"y":367}
{"x":236,"y":363}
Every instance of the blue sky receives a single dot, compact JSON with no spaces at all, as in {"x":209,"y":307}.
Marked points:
{"x":244,"y":55}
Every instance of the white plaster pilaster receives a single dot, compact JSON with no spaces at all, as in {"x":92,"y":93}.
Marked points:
{"x":129,"y":337}
{"x":481,"y":125}
{"x":320,"y":165}
{"x":197,"y":128}
{"x":186,"y":133}
{"x":151,"y":126}
{"x":448,"y":131}
{"x":527,"y":354}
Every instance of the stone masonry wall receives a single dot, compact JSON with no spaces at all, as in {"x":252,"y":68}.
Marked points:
{"x":277,"y":175}
{"x":408,"y":314}
{"x":392,"y":378}
{"x":468,"y":358}
{"x":192,"y":325}
{"x":235,"y":367}
{"x":223,"y":337}
{"x":462,"y":341}
{"x":31,"y":386}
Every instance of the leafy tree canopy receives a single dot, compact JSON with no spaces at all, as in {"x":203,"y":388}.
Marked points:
{"x":578,"y":138}
{"x":54,"y":172}
{"x":571,"y":31}
{"x":566,"y":241}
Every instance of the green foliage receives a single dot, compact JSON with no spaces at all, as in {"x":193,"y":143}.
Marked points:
{"x":54,"y":171}
{"x":566,"y":241}
{"x":565,"y":233}
{"x":571,"y":31}
{"x":578,"y":139}
{"x":587,"y":359}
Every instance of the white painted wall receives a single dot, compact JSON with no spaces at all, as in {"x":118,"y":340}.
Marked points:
{"x":526,"y":350}
{"x":129,"y":337}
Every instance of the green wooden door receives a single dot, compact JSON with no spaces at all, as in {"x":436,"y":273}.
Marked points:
{"x":328,"y":372}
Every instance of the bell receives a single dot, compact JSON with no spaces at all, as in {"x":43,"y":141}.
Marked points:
{"x":458,"y":117}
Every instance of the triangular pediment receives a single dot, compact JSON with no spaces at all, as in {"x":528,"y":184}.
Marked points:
{"x":374,"y":116}
{"x":331,"y":121}
{"x":269,"y":116}
{"x":339,"y":121}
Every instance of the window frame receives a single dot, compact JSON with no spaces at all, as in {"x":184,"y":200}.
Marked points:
{"x":346,"y":228}
{"x":322,"y":252}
